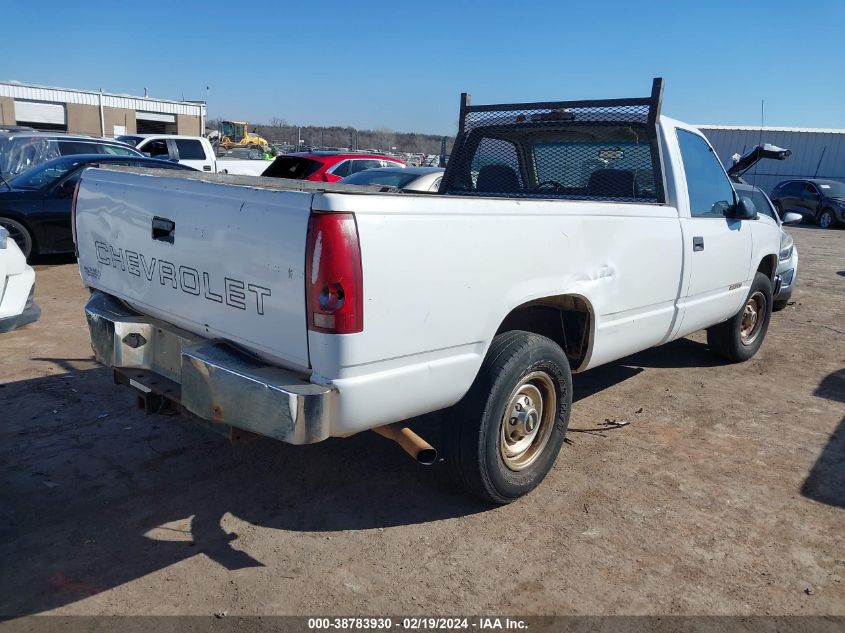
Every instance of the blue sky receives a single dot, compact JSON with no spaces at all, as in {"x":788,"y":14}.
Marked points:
{"x":402,"y":65}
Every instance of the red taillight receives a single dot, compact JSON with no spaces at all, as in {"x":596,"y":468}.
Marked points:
{"x":73,"y":217}
{"x":333,"y":279}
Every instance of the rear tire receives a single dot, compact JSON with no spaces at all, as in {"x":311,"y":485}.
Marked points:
{"x":503,"y":437}
{"x":827,"y":220}
{"x":738,"y":339}
{"x":20,"y":234}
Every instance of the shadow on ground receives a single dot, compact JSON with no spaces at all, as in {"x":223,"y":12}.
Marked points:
{"x":86,"y":478}
{"x":826,"y":481}
{"x":52,"y":260}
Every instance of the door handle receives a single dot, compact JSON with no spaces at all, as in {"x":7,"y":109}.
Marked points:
{"x":164,"y":230}
{"x":206,"y":167}
{"x":698,"y":243}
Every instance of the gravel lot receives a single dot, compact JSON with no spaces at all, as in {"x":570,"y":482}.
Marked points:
{"x":724,"y":495}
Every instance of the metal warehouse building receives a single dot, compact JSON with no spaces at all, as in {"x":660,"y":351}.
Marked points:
{"x":816,"y":152}
{"x":97,"y":113}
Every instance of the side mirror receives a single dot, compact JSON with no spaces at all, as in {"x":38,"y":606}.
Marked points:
{"x":790,"y":217}
{"x":744,"y":209}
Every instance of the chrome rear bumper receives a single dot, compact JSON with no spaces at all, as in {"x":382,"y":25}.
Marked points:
{"x":214,"y":380}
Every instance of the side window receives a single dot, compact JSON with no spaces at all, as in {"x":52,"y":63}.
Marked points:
{"x":710,"y":191}
{"x":495,"y":167}
{"x":362,"y":165}
{"x":810,"y":190}
{"x":66,"y":187}
{"x":793,"y":189}
{"x":115,"y":150}
{"x":342,"y":170}
{"x":156,"y":149}
{"x":189,"y":150}
{"x":761,"y":203}
{"x":78,"y":147}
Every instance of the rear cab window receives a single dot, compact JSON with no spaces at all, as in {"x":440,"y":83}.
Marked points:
{"x":156,"y":148}
{"x":600,"y":161}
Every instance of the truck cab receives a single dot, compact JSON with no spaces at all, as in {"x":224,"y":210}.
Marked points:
{"x":193,"y":151}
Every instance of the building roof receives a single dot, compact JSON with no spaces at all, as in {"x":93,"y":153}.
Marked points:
{"x":33,"y":92}
{"x":757,"y":128}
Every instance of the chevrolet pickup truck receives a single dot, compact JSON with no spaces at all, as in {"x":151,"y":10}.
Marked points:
{"x":565,"y":235}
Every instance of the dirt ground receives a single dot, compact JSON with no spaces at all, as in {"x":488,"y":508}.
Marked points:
{"x":724,"y":495}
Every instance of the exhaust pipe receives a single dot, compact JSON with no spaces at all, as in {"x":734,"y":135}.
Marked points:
{"x":410,"y":442}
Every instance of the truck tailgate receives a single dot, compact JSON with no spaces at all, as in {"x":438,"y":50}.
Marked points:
{"x":217,"y":260}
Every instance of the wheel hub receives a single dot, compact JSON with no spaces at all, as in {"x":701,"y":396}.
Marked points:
{"x":527,"y":421}
{"x":524,"y":417}
{"x":752,"y":318}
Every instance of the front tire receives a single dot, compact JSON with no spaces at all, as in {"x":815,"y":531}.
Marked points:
{"x":738,"y":339}
{"x":20,"y":234}
{"x":505,"y":434}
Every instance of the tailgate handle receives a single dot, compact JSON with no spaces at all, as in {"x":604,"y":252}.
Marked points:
{"x":164,"y":230}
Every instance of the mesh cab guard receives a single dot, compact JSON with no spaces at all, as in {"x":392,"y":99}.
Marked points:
{"x":606,"y":150}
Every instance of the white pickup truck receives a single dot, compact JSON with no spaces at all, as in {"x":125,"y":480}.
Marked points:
{"x":194,"y":151}
{"x":564,"y":236}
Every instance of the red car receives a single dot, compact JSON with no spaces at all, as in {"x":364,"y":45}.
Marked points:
{"x":326,"y":166}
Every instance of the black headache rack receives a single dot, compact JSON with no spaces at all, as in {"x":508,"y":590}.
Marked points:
{"x":605,"y":149}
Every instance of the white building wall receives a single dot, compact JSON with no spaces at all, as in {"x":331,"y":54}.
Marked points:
{"x":87,"y":97}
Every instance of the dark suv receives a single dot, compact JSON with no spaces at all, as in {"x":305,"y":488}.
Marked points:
{"x":817,"y":200}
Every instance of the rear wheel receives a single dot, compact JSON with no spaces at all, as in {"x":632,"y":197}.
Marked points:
{"x":504,"y":436}
{"x":827,"y":219}
{"x":739,"y":338}
{"x":20,"y":234}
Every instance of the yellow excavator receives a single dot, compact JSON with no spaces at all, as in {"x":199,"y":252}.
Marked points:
{"x":236,"y":134}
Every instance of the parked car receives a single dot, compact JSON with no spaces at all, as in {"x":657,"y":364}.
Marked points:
{"x":196,"y":152}
{"x":326,"y":166}
{"x":357,"y":309}
{"x":817,"y":200}
{"x":788,"y":255}
{"x":35,"y":205}
{"x":787,"y":268}
{"x":23,"y":149}
{"x":17,"y":286}
{"x":407,"y":178}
